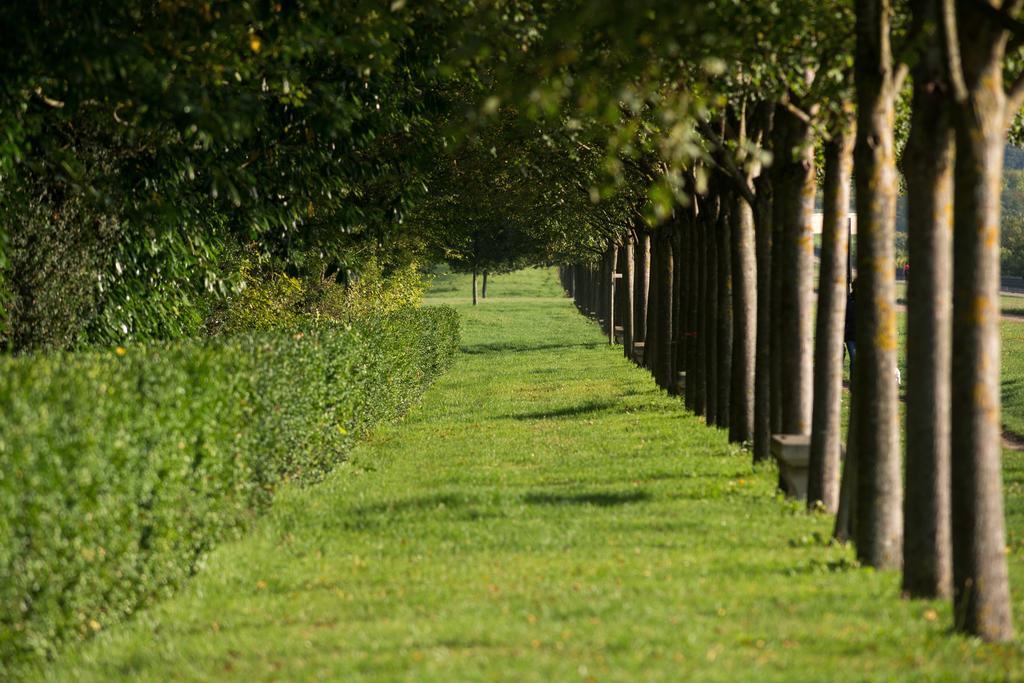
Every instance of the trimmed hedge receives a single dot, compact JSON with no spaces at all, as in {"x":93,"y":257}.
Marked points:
{"x":118,"y":470}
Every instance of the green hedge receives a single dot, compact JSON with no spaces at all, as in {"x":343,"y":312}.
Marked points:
{"x":118,"y":470}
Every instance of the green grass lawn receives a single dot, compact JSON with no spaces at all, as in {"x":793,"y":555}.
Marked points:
{"x":545,"y":514}
{"x":1010,"y":304}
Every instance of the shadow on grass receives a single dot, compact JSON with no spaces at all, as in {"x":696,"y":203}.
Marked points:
{"x":599,"y":498}
{"x":506,"y":347}
{"x":1012,"y":385}
{"x":440,"y":501}
{"x":568,"y":411}
{"x":461,"y":508}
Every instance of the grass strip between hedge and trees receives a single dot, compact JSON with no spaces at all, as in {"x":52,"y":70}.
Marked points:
{"x":545,"y":514}
{"x":122,"y":468}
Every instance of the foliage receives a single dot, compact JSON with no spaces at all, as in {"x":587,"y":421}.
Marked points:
{"x":375,"y":291}
{"x":165,"y":133}
{"x":272,"y":299}
{"x":1012,"y":223}
{"x":122,"y":468}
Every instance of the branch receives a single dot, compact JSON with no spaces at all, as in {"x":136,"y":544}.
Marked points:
{"x":797,"y":111}
{"x":899,"y":77}
{"x":954,"y":64}
{"x":48,"y":101}
{"x":728,"y":164}
{"x":999,"y":16}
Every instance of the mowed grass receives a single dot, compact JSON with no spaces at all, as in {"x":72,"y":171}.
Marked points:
{"x":1011,"y":304}
{"x":545,"y":514}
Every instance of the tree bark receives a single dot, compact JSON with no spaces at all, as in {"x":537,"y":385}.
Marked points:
{"x":684,"y":328}
{"x":981,"y":593}
{"x":879,"y":507}
{"x":652,"y":340}
{"x":613,"y":260}
{"x":643,"y":284}
{"x":628,"y":297}
{"x":928,"y":169}
{"x":847,"y":512}
{"x":826,"y":436}
{"x":604,"y":268}
{"x":779,"y":147}
{"x":725,"y":340}
{"x":678,"y":294}
{"x":711,"y":316}
{"x":700,"y":353}
{"x":763,"y":372}
{"x":795,"y":289}
{"x":483,"y":287}
{"x":474,"y":288}
{"x":744,"y":320}
{"x":691,"y":274}
{"x":665,"y":327}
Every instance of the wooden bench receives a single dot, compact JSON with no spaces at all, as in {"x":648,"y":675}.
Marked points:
{"x":793,"y":453}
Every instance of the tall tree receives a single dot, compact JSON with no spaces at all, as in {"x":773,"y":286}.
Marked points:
{"x":739,"y":164}
{"x":796,"y":195}
{"x":928,"y":169}
{"x":879,"y":508}
{"x":824,"y":467}
{"x":711,"y":309}
{"x":981,"y":114}
{"x":763,"y":360}
{"x":744,"y":311}
{"x":643,"y":283}
{"x":628,"y":263}
{"x":724,"y":334}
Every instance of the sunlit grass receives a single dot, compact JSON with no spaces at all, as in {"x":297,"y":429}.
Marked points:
{"x":545,"y":514}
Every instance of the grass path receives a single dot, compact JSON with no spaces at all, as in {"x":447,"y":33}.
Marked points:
{"x":545,"y":514}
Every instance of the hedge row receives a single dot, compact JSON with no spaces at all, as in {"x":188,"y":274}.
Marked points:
{"x":118,"y":470}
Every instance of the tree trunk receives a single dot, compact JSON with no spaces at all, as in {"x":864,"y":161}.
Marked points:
{"x":665,"y":284}
{"x":928,"y":169}
{"x":879,"y":520}
{"x":474,"y":288}
{"x":483,"y":287}
{"x":779,"y":192}
{"x":613,"y":260}
{"x":691,"y":274}
{"x":643,"y":284}
{"x":700,"y":353}
{"x":795,"y":290}
{"x":744,"y":320}
{"x":592,"y":281}
{"x":711,"y":316}
{"x":628,"y":297}
{"x":826,"y":436}
{"x":652,"y":340}
{"x":678,"y":294}
{"x":684,"y":267}
{"x":980,"y":584}
{"x":847,"y":512}
{"x":724,"y":346}
{"x":583,"y":288}
{"x":762,"y":374}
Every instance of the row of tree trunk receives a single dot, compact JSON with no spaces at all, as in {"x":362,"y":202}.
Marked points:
{"x":718,"y":304}
{"x":482,"y":291}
